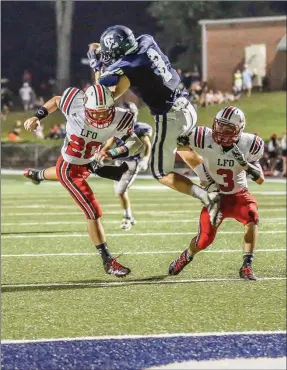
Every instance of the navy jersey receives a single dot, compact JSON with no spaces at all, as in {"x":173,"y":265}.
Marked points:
{"x":150,"y":73}
{"x":140,"y":129}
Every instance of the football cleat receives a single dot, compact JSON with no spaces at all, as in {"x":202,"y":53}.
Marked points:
{"x":32,"y":175}
{"x":127,"y":223}
{"x":178,"y":265}
{"x":113,"y":267}
{"x":246,"y":272}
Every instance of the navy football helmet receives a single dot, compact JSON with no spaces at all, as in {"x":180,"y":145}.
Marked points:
{"x":116,"y":42}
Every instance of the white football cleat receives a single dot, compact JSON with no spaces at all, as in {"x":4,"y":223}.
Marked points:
{"x":127,"y":223}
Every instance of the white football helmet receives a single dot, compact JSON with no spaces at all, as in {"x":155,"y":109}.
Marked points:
{"x":99,"y":106}
{"x":228,"y":125}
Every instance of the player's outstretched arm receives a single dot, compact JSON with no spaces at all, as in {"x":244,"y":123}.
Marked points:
{"x":49,"y":107}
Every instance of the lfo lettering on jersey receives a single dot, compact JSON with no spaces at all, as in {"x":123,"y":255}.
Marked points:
{"x":82,"y":139}
{"x":220,"y":164}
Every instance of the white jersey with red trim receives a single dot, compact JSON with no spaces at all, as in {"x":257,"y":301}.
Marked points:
{"x":82,"y":139}
{"x":220,"y":164}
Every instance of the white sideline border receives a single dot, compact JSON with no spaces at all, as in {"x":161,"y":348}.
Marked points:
{"x":140,"y":336}
{"x":75,"y":254}
{"x":279,"y":220}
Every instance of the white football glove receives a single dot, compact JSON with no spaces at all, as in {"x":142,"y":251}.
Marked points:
{"x":143,"y":163}
{"x":93,"y":55}
{"x":32,"y":124}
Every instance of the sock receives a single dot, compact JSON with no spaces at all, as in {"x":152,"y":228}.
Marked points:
{"x":198,"y":192}
{"x":128,"y":213}
{"x":247,"y":258}
{"x":104,"y":252}
{"x":40,"y":175}
{"x":189,"y":257}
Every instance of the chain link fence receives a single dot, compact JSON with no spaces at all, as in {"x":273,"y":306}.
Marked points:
{"x":21,"y":156}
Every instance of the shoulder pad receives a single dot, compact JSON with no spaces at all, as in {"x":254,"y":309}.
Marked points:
{"x":257,"y":144}
{"x":68,"y":98}
{"x":126,"y":121}
{"x":199,"y":134}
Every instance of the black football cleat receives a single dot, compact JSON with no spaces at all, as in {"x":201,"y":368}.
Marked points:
{"x":178,"y":265}
{"x":246,"y":272}
{"x":113,"y":267}
{"x":32,"y":175}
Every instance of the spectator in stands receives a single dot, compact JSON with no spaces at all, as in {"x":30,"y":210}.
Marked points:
{"x":247,"y":80}
{"x":284,"y":154}
{"x":187,"y":79}
{"x":6,"y":102}
{"x":14,"y":135}
{"x":26,"y":94}
{"x":273,"y":152}
{"x":209,"y":98}
{"x":27,"y":76}
{"x":238,"y":83}
{"x":62,"y":131}
{"x":195,"y":76}
{"x":218,"y":97}
{"x":54,"y":133}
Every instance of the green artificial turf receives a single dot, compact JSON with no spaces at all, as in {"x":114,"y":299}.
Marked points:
{"x":53,"y":283}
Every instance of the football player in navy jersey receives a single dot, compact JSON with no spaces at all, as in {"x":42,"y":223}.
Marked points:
{"x":125,"y":62}
{"x":137,"y":162}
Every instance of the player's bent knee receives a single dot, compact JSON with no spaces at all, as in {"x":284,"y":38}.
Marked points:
{"x":251,"y":215}
{"x":204,"y":240}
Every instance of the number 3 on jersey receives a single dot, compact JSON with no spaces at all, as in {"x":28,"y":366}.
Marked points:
{"x":77,"y":145}
{"x":227,"y":178}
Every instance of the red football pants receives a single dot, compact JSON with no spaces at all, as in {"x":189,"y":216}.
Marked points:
{"x":73,"y":178}
{"x":241,"y":206}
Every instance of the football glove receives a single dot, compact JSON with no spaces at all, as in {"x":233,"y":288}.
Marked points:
{"x":143,"y":163}
{"x":238,"y":156}
{"x":183,"y":140}
{"x":94,"y":58}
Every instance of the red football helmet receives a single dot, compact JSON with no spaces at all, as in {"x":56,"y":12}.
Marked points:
{"x":228,"y":125}
{"x":99,"y":106}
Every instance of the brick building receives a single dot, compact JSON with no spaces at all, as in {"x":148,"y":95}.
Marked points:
{"x":228,"y":44}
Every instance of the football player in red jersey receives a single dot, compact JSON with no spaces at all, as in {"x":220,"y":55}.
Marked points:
{"x":229,"y":155}
{"x":91,"y":120}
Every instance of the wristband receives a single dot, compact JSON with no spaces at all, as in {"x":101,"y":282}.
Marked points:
{"x":41,"y":113}
{"x":254,"y":172}
{"x":121,"y":151}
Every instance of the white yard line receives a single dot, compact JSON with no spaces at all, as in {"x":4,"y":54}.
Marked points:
{"x":134,"y":282}
{"x":275,"y":219}
{"x":74,"y":235}
{"x":139,"y":336}
{"x":73,"y":254}
{"x":165,"y":213}
{"x":117,"y":206}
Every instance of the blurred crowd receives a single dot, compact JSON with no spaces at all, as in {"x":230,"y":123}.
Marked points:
{"x":202,"y":95}
{"x":273,"y":162}
{"x":275,"y":154}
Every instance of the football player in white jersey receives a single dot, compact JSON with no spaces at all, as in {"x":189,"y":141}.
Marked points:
{"x":91,"y":120}
{"x":230,"y":155}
